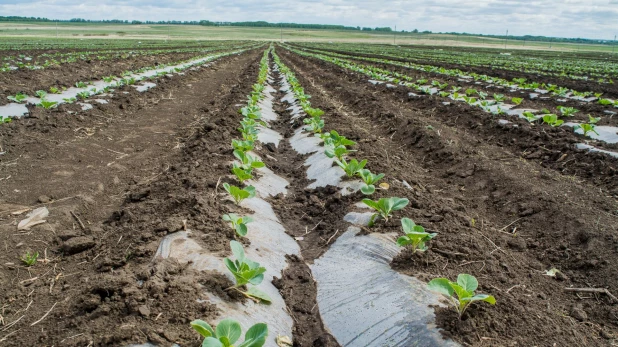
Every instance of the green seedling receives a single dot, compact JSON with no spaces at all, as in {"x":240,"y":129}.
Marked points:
{"x":352,"y":167}
{"x":81,"y":84}
{"x":41,"y":93}
{"x":517,"y":101}
{"x":5,"y":119}
{"x":69,"y":100}
{"x":586,"y":128}
{"x":241,"y":174}
{"x":83,"y":95}
{"x":567,"y":111}
{"x":337,"y":152}
{"x":239,"y":194}
{"x":415,"y":236}
{"x":333,"y":138}
{"x":46,"y":104}
{"x":29,"y":259}
{"x":251,"y":112}
{"x":246,"y":272}
{"x":370,"y":180}
{"x":593,"y":120}
{"x":605,"y":102}
{"x":461,"y":292}
{"x":243,"y":146}
{"x":19,"y":97}
{"x":444,"y":94}
{"x":469,"y":100}
{"x":108,"y":79}
{"x":552,"y":120}
{"x":228,"y":332}
{"x":238,"y":223}
{"x":529,"y":116}
{"x":499,"y":97}
{"x":54,"y":90}
{"x":482,"y":95}
{"x":470,"y":92}
{"x":385,"y":207}
{"x":315,"y":124}
{"x":247,"y":161}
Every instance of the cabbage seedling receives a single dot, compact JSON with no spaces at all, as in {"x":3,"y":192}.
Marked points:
{"x":247,"y":161}
{"x":19,"y":97}
{"x":415,"y":236}
{"x":243,"y":146}
{"x":241,"y":175}
{"x":370,"y":180}
{"x":499,"y":97}
{"x":69,"y":100}
{"x":54,"y":90}
{"x":593,"y":120}
{"x":517,"y":101}
{"x":586,"y":128}
{"x":251,"y":112}
{"x":567,"y":111}
{"x":238,"y":223}
{"x":461,"y":292}
{"x":530,"y":117}
{"x":333,"y":138}
{"x":29,"y":259}
{"x":605,"y":102}
{"x":337,"y":152}
{"x":239,"y":194}
{"x":315,"y":124}
{"x":47,"y":104}
{"x":246,"y":272}
{"x":352,"y":167}
{"x":228,"y":332}
{"x":552,"y":120}
{"x":41,"y":93}
{"x":5,"y":119}
{"x":385,"y":207}
{"x":470,"y":92}
{"x":81,"y":84}
{"x":83,"y":95}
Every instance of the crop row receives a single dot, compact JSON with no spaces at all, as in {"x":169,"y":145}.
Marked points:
{"x":336,"y":146}
{"x":247,"y":273}
{"x":577,"y":69}
{"x":471,"y":97}
{"x":45,"y":60}
{"x":110,"y":82}
{"x":516,"y":83}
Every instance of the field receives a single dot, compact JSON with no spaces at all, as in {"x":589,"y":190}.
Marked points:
{"x":147,"y":186}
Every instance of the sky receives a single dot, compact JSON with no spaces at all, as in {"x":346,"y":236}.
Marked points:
{"x":596,"y":19}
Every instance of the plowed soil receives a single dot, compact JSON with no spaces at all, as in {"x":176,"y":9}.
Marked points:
{"x":508,"y":202}
{"x":500,"y":215}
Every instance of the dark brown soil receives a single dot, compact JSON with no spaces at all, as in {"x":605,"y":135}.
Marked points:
{"x":508,"y":203}
{"x":500,"y":216}
{"x":131,"y":171}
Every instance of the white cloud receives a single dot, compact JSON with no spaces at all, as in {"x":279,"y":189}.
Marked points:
{"x":569,"y":18}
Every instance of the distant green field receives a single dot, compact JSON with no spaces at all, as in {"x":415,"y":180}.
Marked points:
{"x":25,"y":32}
